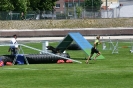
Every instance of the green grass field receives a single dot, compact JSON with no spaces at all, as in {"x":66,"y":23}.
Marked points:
{"x":115,"y":71}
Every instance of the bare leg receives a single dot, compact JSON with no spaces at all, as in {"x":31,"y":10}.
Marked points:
{"x":89,"y":58}
{"x":97,"y":55}
{"x":9,"y":49}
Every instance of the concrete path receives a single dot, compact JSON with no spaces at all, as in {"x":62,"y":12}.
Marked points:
{"x":61,"y":38}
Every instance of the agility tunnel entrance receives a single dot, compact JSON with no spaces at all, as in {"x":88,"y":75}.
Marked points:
{"x":80,"y":40}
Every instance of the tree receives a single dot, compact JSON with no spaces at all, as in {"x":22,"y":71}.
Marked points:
{"x":93,"y":5}
{"x":46,"y":4}
{"x":34,"y":4}
{"x":26,"y":5}
{"x":42,"y":5}
{"x":21,"y":5}
{"x":6,"y":5}
{"x":79,"y":10}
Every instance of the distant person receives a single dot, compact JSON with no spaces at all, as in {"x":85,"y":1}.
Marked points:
{"x":94,"y":49}
{"x":14,"y":45}
{"x":22,"y":16}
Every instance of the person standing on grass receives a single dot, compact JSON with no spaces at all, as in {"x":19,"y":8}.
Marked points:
{"x":94,"y":49}
{"x":14,"y":47}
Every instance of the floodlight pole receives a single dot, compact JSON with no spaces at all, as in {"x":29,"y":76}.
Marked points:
{"x":74,"y":9}
{"x":106,"y":4}
{"x":84,"y":8}
{"x":107,"y":7}
{"x":92,"y":8}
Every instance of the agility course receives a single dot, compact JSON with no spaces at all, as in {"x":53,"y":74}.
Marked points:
{"x":116,"y":68}
{"x":48,"y":57}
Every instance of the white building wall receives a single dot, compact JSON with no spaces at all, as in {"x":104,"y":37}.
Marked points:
{"x":126,"y":11}
{"x":123,"y":11}
{"x":113,"y":13}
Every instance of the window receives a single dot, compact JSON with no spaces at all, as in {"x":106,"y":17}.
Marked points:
{"x":70,"y":14}
{"x":70,"y":5}
{"x":57,"y":6}
{"x":57,"y":13}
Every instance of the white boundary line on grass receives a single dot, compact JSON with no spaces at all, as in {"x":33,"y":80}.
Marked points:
{"x":20,"y":69}
{"x":30,"y":69}
{"x":35,"y":69}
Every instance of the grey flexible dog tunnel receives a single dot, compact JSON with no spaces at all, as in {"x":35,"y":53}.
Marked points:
{"x":36,"y":58}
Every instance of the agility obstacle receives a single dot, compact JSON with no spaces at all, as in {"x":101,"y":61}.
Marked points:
{"x":80,"y":41}
{"x":131,"y":46}
{"x":38,"y":58}
{"x":110,"y":45}
{"x":107,"y":45}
